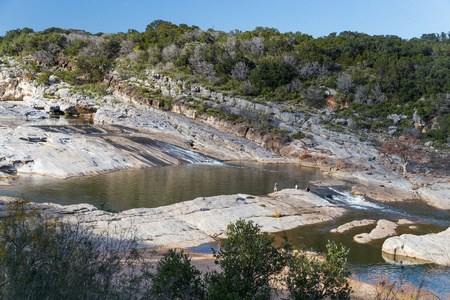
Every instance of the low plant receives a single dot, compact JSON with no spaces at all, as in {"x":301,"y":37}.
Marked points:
{"x":43,"y":79}
{"x":43,"y":258}
{"x":277,"y":214}
{"x":387,"y":289}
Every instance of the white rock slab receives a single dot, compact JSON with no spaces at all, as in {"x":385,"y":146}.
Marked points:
{"x":384,"y":229}
{"x":433,"y":247}
{"x":354,"y":224}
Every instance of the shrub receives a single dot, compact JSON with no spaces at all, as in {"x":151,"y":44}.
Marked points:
{"x":44,"y":78}
{"x":43,"y":258}
{"x":299,"y":135}
{"x":248,"y":261}
{"x":176,"y":278}
{"x":312,"y":278}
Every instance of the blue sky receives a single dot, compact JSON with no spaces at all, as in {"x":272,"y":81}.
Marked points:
{"x":404,"y":18}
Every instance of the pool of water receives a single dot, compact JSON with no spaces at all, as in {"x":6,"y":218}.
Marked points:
{"x":159,"y":186}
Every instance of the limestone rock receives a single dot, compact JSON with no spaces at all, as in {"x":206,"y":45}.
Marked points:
{"x":437,"y":195}
{"x":384,"y":229}
{"x":433,"y":247}
{"x":198,"y":221}
{"x":357,"y":223}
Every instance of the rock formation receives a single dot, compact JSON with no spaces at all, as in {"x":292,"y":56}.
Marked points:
{"x":202,"y":220}
{"x":433,"y":247}
{"x":383,"y":229}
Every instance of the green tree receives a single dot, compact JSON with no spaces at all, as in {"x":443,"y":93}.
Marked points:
{"x":248,"y":261}
{"x":176,"y":278}
{"x":314,"y":278}
{"x":271,"y":75}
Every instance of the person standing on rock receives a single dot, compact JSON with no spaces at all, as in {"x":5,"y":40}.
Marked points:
{"x":275,"y":187}
{"x":296,"y":186}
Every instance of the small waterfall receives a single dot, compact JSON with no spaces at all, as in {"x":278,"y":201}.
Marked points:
{"x":356,"y":201}
{"x":182,"y":154}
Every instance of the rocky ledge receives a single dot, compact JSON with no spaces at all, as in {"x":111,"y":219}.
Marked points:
{"x":198,"y":221}
{"x":433,"y":247}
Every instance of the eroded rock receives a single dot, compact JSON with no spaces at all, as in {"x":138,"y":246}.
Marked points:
{"x":202,"y":220}
{"x":433,"y":247}
{"x":383,"y":229}
{"x":354,"y":224}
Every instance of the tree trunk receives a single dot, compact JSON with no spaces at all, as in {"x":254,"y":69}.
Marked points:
{"x":404,"y":165}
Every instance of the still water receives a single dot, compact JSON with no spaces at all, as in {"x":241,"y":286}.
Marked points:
{"x":159,"y":186}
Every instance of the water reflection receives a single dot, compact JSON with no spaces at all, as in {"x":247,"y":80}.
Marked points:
{"x":159,"y":186}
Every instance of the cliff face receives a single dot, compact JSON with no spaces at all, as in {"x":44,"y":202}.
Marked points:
{"x":14,"y":85}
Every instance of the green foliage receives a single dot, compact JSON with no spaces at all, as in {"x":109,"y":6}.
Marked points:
{"x":42,"y":258}
{"x":374,"y":75}
{"x":68,"y":76}
{"x":313,"y":278}
{"x":442,"y":132}
{"x":176,"y":278}
{"x":299,"y":135}
{"x":269,"y":75}
{"x":248,"y":261}
{"x":43,"y":79}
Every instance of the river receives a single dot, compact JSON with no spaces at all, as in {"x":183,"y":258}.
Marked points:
{"x":166,"y":185}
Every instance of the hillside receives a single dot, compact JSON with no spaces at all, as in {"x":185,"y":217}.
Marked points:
{"x":373,"y":84}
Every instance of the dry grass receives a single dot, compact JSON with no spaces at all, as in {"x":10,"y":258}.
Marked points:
{"x":387,"y":289}
{"x":277,"y":214}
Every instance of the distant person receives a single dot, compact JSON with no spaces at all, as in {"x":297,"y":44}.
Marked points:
{"x":275,"y":187}
{"x":307,"y":189}
{"x":296,"y":186}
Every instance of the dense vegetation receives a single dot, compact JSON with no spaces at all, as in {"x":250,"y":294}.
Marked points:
{"x":43,"y":258}
{"x":367,"y":78}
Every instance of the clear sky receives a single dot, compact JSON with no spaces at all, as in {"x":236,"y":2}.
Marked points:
{"x":404,"y":18}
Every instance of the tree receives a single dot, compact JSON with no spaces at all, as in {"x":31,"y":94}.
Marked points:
{"x":176,"y":278}
{"x":248,"y":261}
{"x":240,"y":71}
{"x":155,"y":24}
{"x":406,"y":148}
{"x":313,"y":278}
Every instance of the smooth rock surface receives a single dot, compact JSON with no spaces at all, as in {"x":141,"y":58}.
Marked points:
{"x":354,"y":224}
{"x":437,"y":195}
{"x":198,"y":221}
{"x":433,"y":247}
{"x":383,"y":229}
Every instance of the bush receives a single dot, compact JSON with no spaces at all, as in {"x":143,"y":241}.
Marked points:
{"x":42,"y":258}
{"x":299,"y":135}
{"x":176,"y":278}
{"x":44,"y":78}
{"x":248,"y":261}
{"x":312,"y":278}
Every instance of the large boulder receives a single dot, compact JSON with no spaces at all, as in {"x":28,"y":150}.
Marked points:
{"x":354,"y":224}
{"x":433,"y":247}
{"x":384,"y":229}
{"x":437,"y":195}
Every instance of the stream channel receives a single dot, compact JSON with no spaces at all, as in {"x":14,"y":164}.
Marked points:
{"x":204,"y":177}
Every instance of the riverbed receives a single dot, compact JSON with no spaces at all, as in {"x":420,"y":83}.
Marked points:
{"x":154,"y":187}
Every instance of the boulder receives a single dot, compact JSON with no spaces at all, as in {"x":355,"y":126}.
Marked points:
{"x":433,"y":247}
{"x":348,"y":226}
{"x":436,"y":195}
{"x":384,"y":229}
